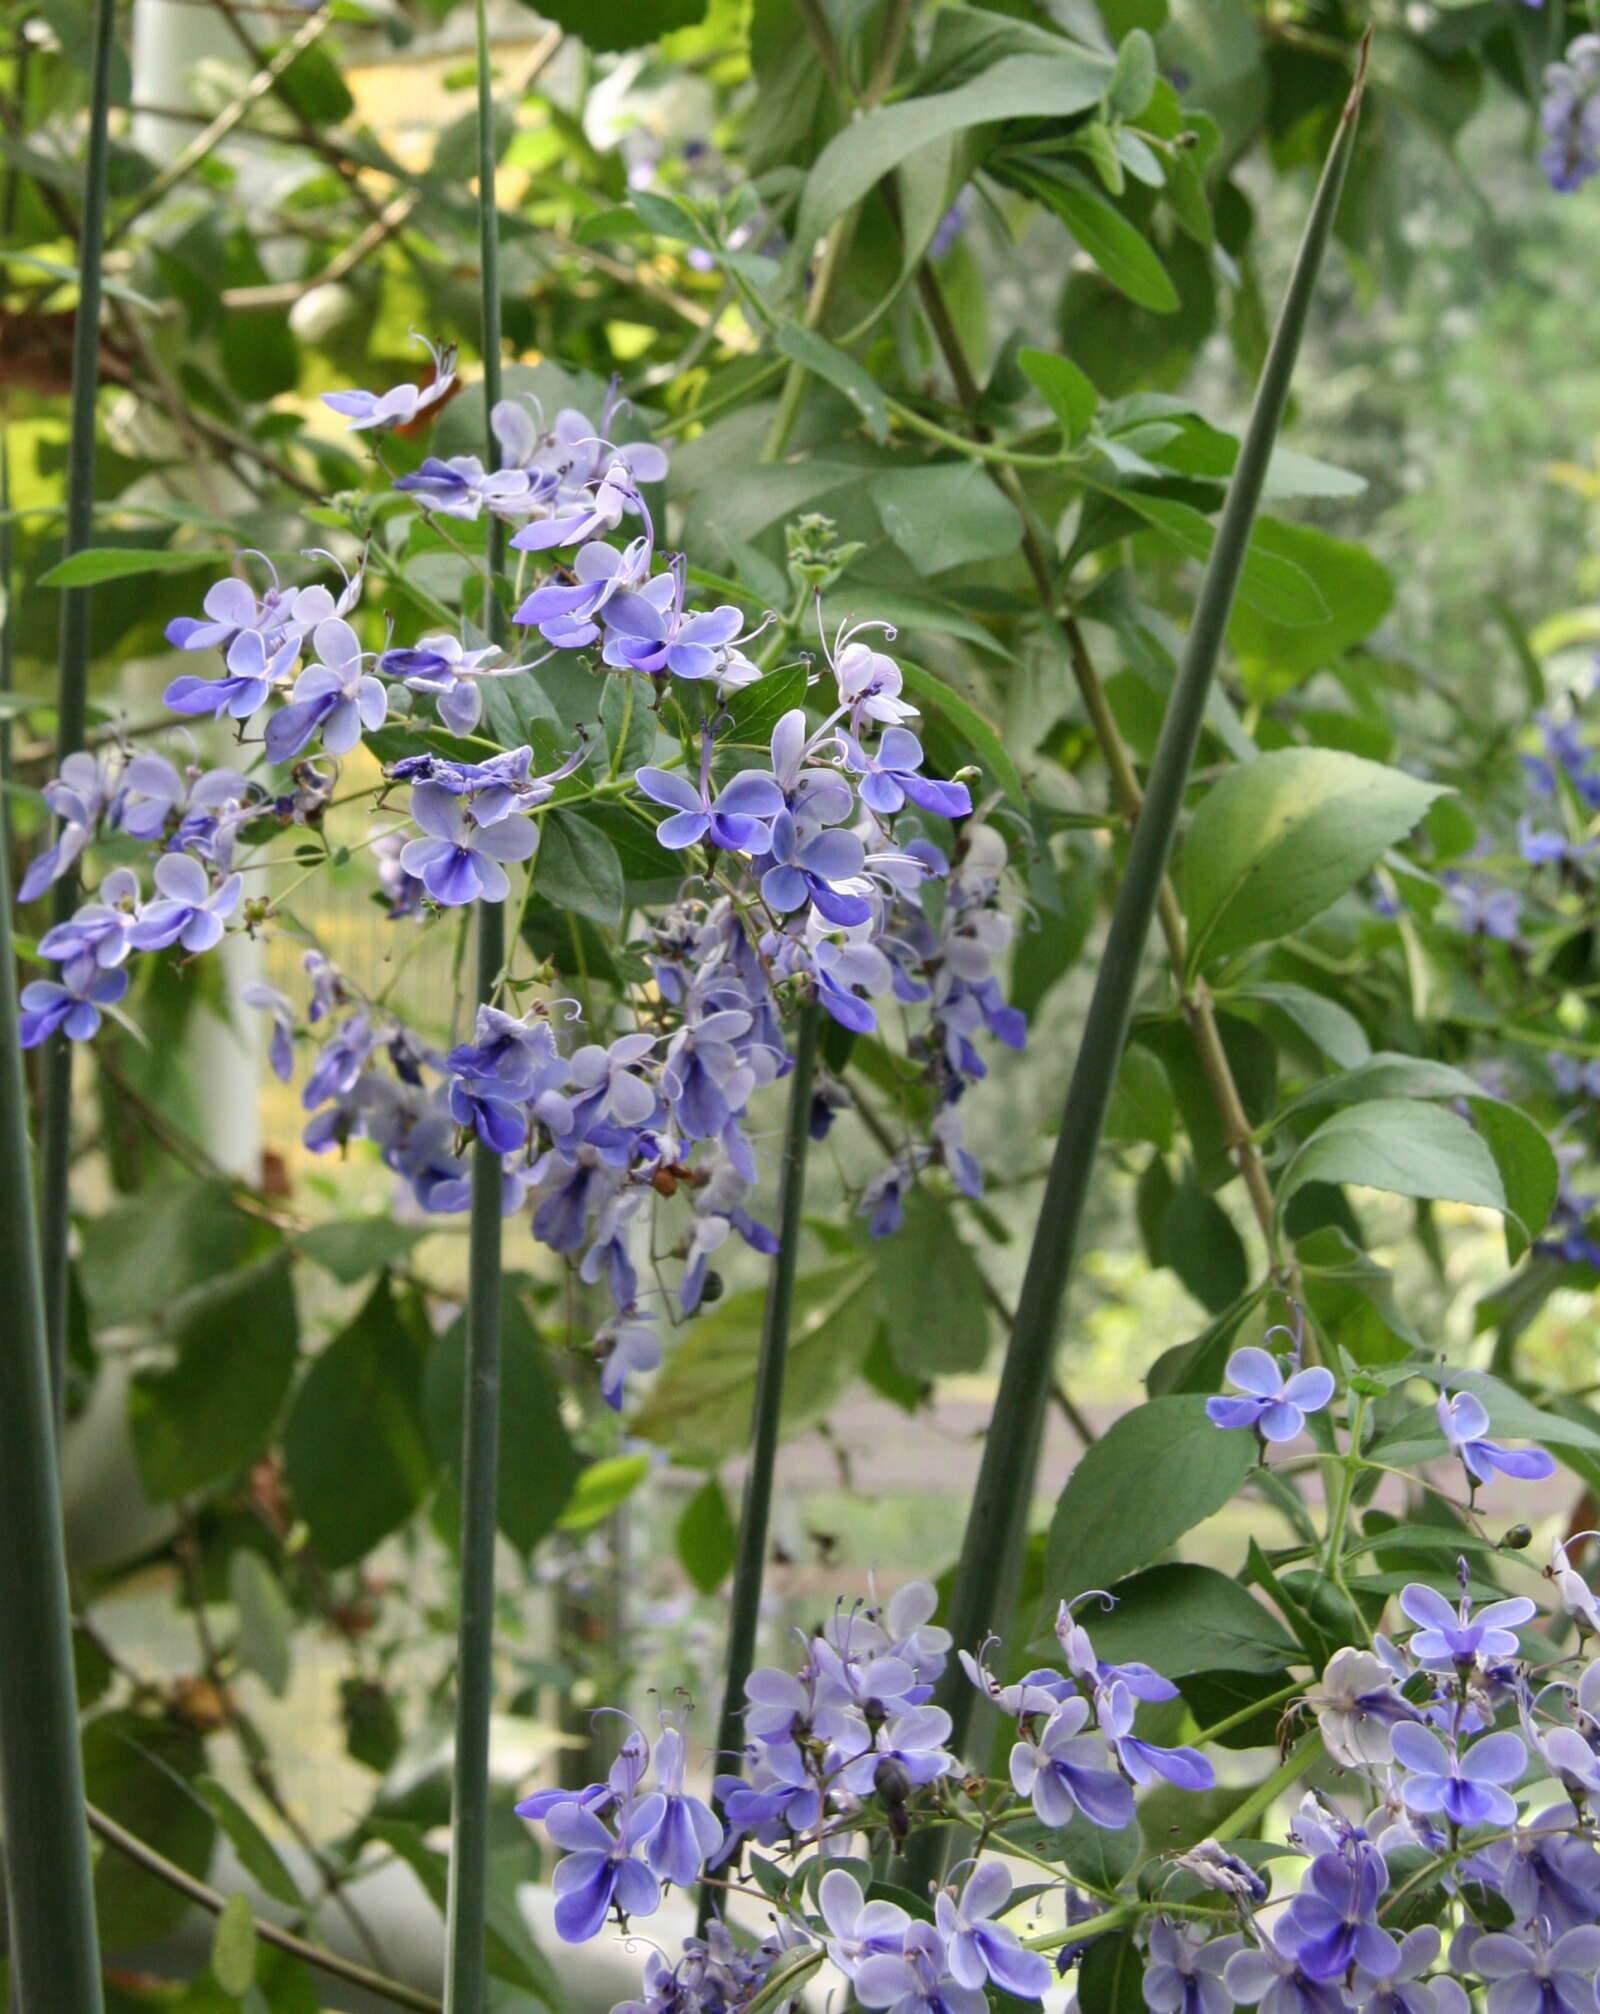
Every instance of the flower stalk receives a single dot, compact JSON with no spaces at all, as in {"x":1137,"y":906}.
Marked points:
{"x":997,"y":1522}
{"x":54,"y":1953}
{"x":467,"y":1899}
{"x":767,"y":1409}
{"x":73,"y":673}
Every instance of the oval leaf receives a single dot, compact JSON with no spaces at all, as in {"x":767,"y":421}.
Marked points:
{"x":1110,"y":1520}
{"x":1280,"y":839}
{"x":1407,"y":1148}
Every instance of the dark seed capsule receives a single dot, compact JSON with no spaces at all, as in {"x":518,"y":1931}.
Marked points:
{"x":712,"y":1290}
{"x":1518,"y":1538}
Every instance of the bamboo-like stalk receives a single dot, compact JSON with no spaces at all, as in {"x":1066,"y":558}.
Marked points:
{"x":767,"y":1411}
{"x":465,"y":1971}
{"x":73,"y":678}
{"x":55,"y":1960}
{"x":997,"y":1521}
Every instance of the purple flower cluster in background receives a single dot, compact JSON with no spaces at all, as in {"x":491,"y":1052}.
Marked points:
{"x":806,"y":867}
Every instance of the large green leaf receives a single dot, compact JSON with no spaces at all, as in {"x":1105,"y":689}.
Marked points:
{"x":1280,"y":839}
{"x":701,"y":1404}
{"x":1355,"y":586}
{"x":538,"y":1464}
{"x":1527,"y":1165}
{"x":1183,"y":1619}
{"x":142,"y":1256}
{"x":201,"y":1418}
{"x":577,"y":868}
{"x":825,"y":360}
{"x":621,"y":24}
{"x":945,"y":514}
{"x":138,"y":1767}
{"x":1408,"y":1148}
{"x":1268,"y":582}
{"x":932,"y":1291}
{"x":1017,"y":87}
{"x":358,"y":1412}
{"x":1121,"y":252}
{"x":1153,"y":1475}
{"x":1388,"y":1074}
{"x":117,"y":562}
{"x":706,"y":1538}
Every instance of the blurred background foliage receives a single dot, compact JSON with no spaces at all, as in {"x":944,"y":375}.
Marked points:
{"x":263,"y":1405}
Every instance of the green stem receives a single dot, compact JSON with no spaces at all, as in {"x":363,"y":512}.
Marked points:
{"x":751,"y":1558}
{"x":55,"y":1960}
{"x":73,"y":678}
{"x":997,"y":1522}
{"x":465,"y":1975}
{"x":1287,"y":1774}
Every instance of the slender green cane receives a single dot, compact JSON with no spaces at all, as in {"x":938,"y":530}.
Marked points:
{"x":751,"y":1557}
{"x":997,"y":1521}
{"x":465,"y":1979}
{"x":55,"y":1962}
{"x":73,"y":682}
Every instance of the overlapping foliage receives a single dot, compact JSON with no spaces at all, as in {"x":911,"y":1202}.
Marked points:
{"x":920,"y":318}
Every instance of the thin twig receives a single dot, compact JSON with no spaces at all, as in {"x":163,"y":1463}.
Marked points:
{"x":132,"y":1848}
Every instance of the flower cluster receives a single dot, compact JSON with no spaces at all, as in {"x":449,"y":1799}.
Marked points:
{"x":1570,"y":115}
{"x":1459,"y":1854}
{"x":806,"y":858}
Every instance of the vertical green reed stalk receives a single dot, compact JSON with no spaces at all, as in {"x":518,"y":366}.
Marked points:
{"x":469,"y":1805}
{"x":73,"y":685}
{"x":55,"y":1961}
{"x":767,"y":1409}
{"x":998,"y":1520}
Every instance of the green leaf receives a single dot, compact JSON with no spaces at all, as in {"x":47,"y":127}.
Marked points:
{"x":1199,"y":1241}
{"x":357,"y":1246}
{"x":1332,"y":1028}
{"x":825,"y":360}
{"x":755,"y":710}
{"x":603,"y":1487}
{"x":932,"y":1291}
{"x":945,"y":514}
{"x":1153,"y":1475}
{"x":1110,"y":1979}
{"x":1280,"y":839}
{"x":707,"y":1538}
{"x":1064,"y":388}
{"x":1133,"y":78}
{"x":1017,"y":87}
{"x":1274,"y":586}
{"x":233,"y":1947}
{"x":257,"y":1854}
{"x":1388,"y":1074}
{"x":608,"y":25}
{"x":701,"y":1405}
{"x":138,"y":1768}
{"x":1408,"y":1148}
{"x":358,"y":1412}
{"x":1511,"y":1416}
{"x":538,"y":1465}
{"x":1185,"y":1619}
{"x":1124,"y":257}
{"x":202,"y":1418}
{"x":266,"y":1621}
{"x":961,"y":715}
{"x":142,"y":1256}
{"x":1528,"y":1169}
{"x":577,"y":868}
{"x":100,"y":563}
{"x":1356,"y":587}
